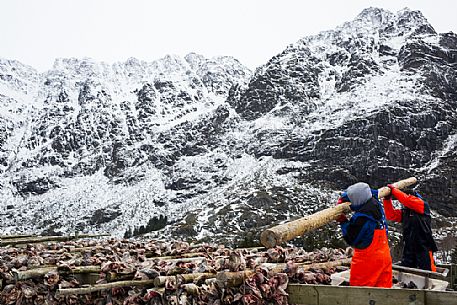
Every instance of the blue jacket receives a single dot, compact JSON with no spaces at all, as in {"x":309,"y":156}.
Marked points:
{"x":359,"y":230}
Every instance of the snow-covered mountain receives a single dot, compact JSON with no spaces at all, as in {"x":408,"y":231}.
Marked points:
{"x":205,"y":149}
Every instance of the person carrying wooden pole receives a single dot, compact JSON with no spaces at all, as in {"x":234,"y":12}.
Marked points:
{"x":415,"y":218}
{"x":366,"y":231}
{"x":276,"y":235}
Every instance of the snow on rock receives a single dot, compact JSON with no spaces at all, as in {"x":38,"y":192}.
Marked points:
{"x":205,"y":149}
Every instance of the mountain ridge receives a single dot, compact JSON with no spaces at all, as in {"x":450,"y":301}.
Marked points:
{"x":221,"y":152}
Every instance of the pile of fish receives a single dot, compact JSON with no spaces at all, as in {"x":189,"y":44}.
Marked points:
{"x":121,"y":271}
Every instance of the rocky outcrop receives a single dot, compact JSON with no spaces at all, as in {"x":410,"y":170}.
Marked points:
{"x":436,"y":63}
{"x":400,"y":134}
{"x":204,"y":149}
{"x":290,"y":77}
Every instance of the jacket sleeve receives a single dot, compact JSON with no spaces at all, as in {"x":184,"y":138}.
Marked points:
{"x":391,"y":213}
{"x":411,"y":202}
{"x":351,"y":230}
{"x":349,"y":233}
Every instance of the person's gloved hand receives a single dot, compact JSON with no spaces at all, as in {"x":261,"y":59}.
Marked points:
{"x":391,"y":187}
{"x":342,"y":217}
{"x":340,"y":201}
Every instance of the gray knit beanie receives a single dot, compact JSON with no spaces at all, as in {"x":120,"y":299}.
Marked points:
{"x":358,"y":194}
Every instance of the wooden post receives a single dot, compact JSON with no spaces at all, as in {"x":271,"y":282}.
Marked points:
{"x":40,"y":239}
{"x":188,"y":277}
{"x":169,"y":259}
{"x":2,"y":237}
{"x":281,"y":233}
{"x":278,"y":268}
{"x":176,"y":257}
{"x":39,"y":272}
{"x":151,"y":255}
{"x":233,"y":279}
{"x":114,"y":276}
{"x":99,"y":287}
{"x":191,"y":289}
{"x":330,"y":295}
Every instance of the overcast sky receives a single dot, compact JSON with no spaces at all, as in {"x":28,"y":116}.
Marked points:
{"x":36,"y":32}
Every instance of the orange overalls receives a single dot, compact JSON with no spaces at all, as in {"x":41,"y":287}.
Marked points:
{"x":372,"y":266}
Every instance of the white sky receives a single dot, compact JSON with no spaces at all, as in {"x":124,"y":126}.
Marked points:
{"x":36,"y":32}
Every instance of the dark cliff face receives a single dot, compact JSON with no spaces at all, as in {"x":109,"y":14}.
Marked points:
{"x":289,"y":77}
{"x":401,"y":137}
{"x":219,"y":153}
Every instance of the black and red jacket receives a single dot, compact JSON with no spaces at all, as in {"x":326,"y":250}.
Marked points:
{"x":416,"y":220}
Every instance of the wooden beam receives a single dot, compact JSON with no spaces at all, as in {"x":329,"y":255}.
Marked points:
{"x":40,"y":239}
{"x":233,"y":279}
{"x":39,"y":272}
{"x":100,"y":287}
{"x":187,"y":277}
{"x":119,"y":276}
{"x":284,"y":232}
{"x":331,"y":295}
{"x":3,"y":237}
{"x":426,"y":273}
{"x":440,"y":297}
{"x":95,"y":249}
{"x":191,"y":289}
{"x":277,"y":235}
{"x":151,"y":255}
{"x":277,"y":268}
{"x":385,"y":191}
{"x":179,"y":256}
{"x":171,"y":259}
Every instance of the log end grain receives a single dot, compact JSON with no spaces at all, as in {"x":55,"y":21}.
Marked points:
{"x":269,"y":239}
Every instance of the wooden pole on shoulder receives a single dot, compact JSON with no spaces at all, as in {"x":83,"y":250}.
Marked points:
{"x":284,"y":232}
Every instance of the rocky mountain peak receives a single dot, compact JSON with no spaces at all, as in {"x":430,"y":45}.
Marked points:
{"x":194,"y":59}
{"x":218,"y":151}
{"x":374,"y":16}
{"x":412,"y":16}
{"x":17,"y":77}
{"x":15,"y":67}
{"x":414,"y":22}
{"x":85,"y":67}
